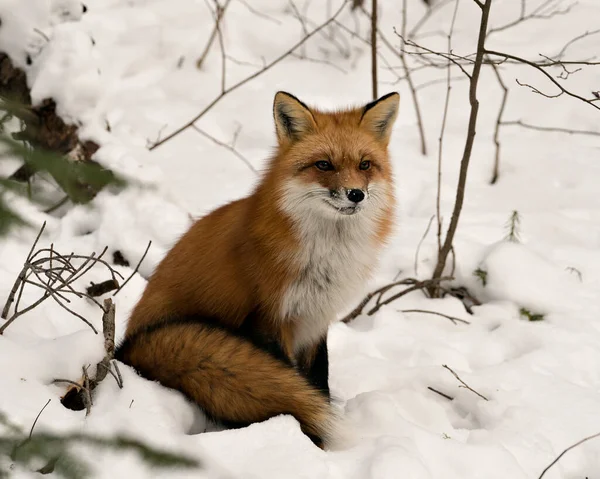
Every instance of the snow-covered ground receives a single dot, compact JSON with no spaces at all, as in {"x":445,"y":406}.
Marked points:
{"x":129,"y":67}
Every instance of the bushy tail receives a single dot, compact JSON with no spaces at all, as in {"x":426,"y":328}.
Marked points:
{"x":229,"y":377}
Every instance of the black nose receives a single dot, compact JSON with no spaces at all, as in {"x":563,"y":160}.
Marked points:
{"x":356,"y":196}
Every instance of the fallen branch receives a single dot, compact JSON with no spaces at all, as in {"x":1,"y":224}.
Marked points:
{"x":56,"y":276}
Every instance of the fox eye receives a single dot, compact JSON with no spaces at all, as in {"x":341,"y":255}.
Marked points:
{"x":364,"y":165}
{"x":324,"y":165}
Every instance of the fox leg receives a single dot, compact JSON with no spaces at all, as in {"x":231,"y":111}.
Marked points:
{"x":314,"y":364}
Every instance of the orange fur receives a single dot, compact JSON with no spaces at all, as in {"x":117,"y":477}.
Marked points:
{"x":249,"y":257}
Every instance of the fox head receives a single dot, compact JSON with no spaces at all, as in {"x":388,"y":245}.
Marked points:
{"x":334,"y":164}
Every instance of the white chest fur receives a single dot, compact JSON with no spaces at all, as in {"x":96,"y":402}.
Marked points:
{"x":335,"y":260}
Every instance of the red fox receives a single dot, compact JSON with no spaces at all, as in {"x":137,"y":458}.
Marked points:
{"x":236,"y":315}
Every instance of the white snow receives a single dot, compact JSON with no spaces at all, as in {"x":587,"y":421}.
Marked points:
{"x":125,"y":72}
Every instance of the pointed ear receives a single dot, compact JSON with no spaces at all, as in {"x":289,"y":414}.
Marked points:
{"x":293,"y":118}
{"x":378,"y":116}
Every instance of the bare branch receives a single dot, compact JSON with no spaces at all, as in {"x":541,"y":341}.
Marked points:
{"x":550,"y":129}
{"x":562,"y":90}
{"x":248,"y":78}
{"x":228,"y":147}
{"x":220,"y":11}
{"x":438,"y":212}
{"x":466,"y":157}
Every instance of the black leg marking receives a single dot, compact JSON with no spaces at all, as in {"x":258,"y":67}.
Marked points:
{"x":317,"y":371}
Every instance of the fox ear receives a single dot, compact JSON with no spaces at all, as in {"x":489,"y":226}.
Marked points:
{"x":378,"y":116}
{"x":293,"y":118}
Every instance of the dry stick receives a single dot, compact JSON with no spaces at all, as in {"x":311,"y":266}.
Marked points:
{"x":228,"y":147}
{"x":374,"y":48}
{"x":450,"y":398}
{"x":135,"y":270}
{"x":578,"y":443}
{"x":550,"y":129}
{"x":247,"y":79}
{"x":464,"y":384}
{"x":420,"y":243}
{"x":87,"y":394}
{"x":108,"y":329}
{"x":454,"y":319}
{"x":464,"y":164}
{"x":219,"y":15}
{"x":496,"y":170}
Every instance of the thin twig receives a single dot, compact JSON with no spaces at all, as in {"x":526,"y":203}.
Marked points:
{"x":408,"y":76}
{"x":118,"y":371}
{"x":454,"y":319}
{"x":248,"y":78}
{"x":496,"y":170}
{"x":578,"y":443}
{"x":228,"y":147}
{"x":464,"y":384}
{"x":438,"y":212}
{"x":550,"y":128}
{"x":37,"y":417}
{"x":420,"y":243}
{"x":135,"y":270}
{"x":562,"y":90}
{"x":218,"y":16}
{"x":11,"y":296}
